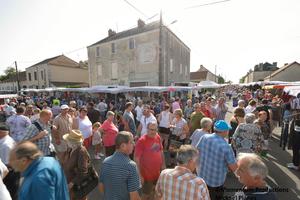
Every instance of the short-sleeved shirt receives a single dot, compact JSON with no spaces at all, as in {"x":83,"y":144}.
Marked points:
{"x":178,"y":129}
{"x":145,"y":121}
{"x":196,"y":136}
{"x":42,"y":143}
{"x":256,"y":194}
{"x":6,"y":145}
{"x":17,"y":125}
{"x":149,"y":151}
{"x":129,"y":118}
{"x":215,"y":156}
{"x":63,"y":124}
{"x":119,"y":176}
{"x":220,"y":113}
{"x":110,"y":133}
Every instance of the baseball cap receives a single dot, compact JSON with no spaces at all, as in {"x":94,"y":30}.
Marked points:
{"x":222,"y":125}
{"x":64,"y":107}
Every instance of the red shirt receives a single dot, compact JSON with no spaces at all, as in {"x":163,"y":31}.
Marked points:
{"x":149,"y":151}
{"x":110,"y":133}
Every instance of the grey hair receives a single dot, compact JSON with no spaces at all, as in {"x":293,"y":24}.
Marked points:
{"x":186,"y":153}
{"x":152,"y":123}
{"x":255,"y":166}
{"x":28,"y":150}
{"x":205,"y":121}
{"x":250,"y":118}
{"x":241,"y":102}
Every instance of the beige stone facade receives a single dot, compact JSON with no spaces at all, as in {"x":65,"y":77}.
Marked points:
{"x":59,"y":71}
{"x":133,"y":58}
{"x":288,"y":72}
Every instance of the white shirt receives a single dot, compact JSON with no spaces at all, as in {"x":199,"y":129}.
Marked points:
{"x":249,"y":109}
{"x":6,"y":144}
{"x":4,"y":194}
{"x":102,"y":107}
{"x":165,"y":119}
{"x":139,"y":112}
{"x":145,"y":121}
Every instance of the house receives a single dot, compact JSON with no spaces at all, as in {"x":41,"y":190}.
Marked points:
{"x":10,"y":85}
{"x":148,"y":54}
{"x":203,"y":74}
{"x":288,"y":72}
{"x":260,"y":71}
{"x":58,"y":71}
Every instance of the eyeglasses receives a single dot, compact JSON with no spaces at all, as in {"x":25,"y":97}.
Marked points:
{"x":152,"y":129}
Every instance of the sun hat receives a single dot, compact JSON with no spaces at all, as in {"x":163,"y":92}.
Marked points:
{"x":74,"y":136}
{"x":64,"y":107}
{"x":222,"y":125}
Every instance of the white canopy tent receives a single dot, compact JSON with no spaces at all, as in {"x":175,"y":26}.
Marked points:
{"x":208,"y":84}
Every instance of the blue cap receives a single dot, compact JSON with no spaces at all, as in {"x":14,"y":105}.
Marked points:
{"x":221,"y":125}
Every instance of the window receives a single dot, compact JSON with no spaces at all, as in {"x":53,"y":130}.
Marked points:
{"x":171,"y":65}
{"x":131,"y":43}
{"x":97,"y":51}
{"x":180,"y":69}
{"x":113,"y":48}
{"x":29,"y":76}
{"x":186,"y":69}
{"x":99,"y":70}
{"x":114,"y":71}
{"x":42,"y":75}
{"x":35,"y":76}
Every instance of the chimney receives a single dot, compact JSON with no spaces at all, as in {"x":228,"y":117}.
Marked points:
{"x":140,"y":23}
{"x":111,"y":32}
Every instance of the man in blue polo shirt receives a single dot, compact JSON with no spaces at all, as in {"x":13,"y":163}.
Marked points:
{"x":216,"y":156}
{"x":119,"y":178}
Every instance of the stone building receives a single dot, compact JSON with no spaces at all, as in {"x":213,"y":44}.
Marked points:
{"x":288,"y":72}
{"x":59,"y":71}
{"x":203,"y":74}
{"x":11,"y":85}
{"x":149,"y":54}
{"x":260,"y":71}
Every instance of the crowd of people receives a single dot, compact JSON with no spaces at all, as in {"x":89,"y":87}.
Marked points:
{"x":175,"y":148}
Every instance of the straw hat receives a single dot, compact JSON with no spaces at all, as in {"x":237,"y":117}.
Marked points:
{"x":74,"y":136}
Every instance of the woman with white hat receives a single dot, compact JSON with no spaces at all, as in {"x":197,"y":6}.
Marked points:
{"x":76,"y":159}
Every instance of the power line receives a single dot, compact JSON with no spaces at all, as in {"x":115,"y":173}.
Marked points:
{"x":206,"y":4}
{"x":138,"y":10}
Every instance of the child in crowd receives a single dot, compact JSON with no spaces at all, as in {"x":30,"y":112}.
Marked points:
{"x":97,"y":140}
{"x":36,"y":115}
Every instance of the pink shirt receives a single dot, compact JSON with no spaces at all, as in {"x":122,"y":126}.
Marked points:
{"x":110,"y":133}
{"x":175,"y":106}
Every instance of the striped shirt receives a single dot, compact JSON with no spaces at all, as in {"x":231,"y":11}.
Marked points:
{"x":119,"y":176}
{"x":181,"y":184}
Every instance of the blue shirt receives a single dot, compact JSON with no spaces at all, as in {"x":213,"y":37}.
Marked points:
{"x":119,"y":176}
{"x":44,"y":179}
{"x":215,"y":156}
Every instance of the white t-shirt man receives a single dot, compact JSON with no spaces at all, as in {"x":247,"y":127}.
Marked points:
{"x":6,"y":145}
{"x":145,"y":121}
{"x":4,"y":194}
{"x":139,"y":112}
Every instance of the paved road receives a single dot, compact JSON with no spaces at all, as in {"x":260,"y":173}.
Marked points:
{"x":279,"y":176}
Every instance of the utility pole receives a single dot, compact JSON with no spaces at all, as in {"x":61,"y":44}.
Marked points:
{"x":17,"y":75}
{"x":160,"y":62}
{"x":216,"y":73}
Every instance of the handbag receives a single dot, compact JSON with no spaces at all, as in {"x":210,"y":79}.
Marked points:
{"x":86,"y":183}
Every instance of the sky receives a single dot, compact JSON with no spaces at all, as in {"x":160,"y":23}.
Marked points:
{"x":231,"y":37}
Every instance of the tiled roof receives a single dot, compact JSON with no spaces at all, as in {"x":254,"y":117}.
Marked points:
{"x":130,"y":32}
{"x":198,"y":75}
{"x":282,"y":69}
{"x":60,"y":60}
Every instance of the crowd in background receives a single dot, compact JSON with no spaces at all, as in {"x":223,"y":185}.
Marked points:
{"x":165,"y":148}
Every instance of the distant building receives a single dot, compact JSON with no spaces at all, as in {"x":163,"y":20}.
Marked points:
{"x":203,"y":74}
{"x":59,"y":71}
{"x":260,"y":72}
{"x":288,"y":72}
{"x":149,"y":54}
{"x":11,"y":85}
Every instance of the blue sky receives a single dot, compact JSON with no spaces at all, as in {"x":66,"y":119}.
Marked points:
{"x":234,"y":35}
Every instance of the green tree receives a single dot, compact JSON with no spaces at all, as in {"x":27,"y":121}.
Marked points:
{"x":221,"y":80}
